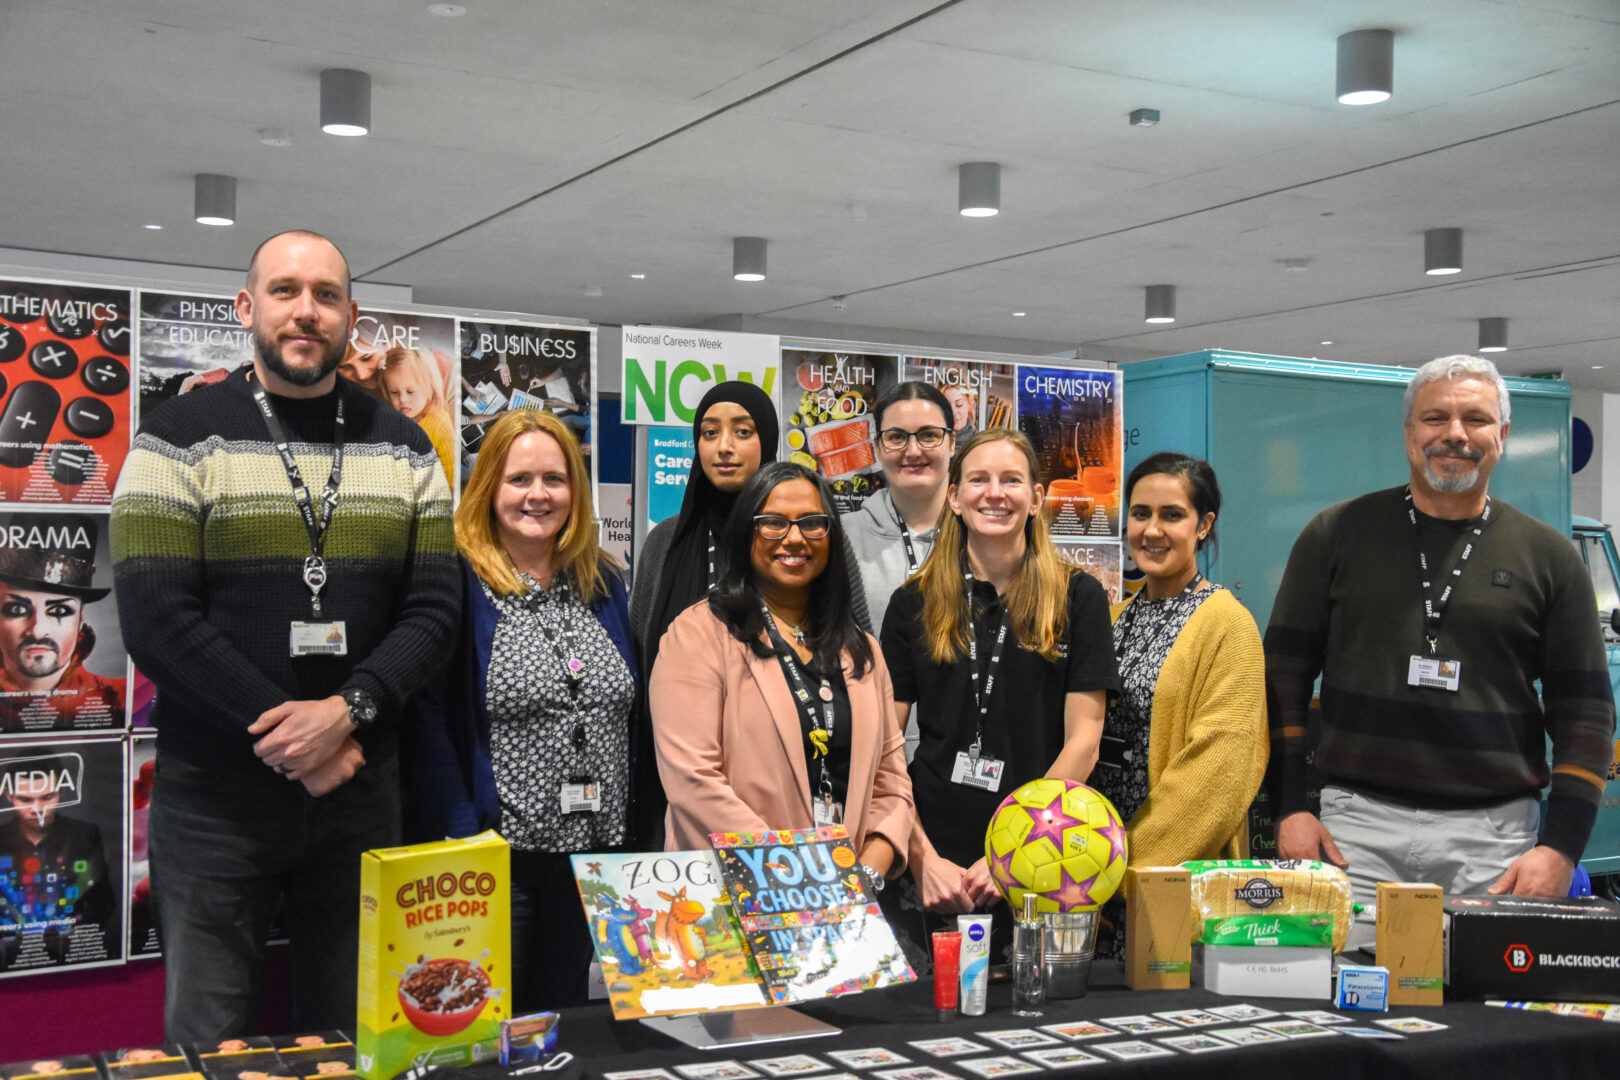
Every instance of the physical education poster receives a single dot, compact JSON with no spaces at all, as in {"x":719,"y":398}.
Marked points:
{"x":1074,"y":418}
{"x":981,"y":393}
{"x":409,"y":361}
{"x":508,"y":366}
{"x":142,"y":923}
{"x":62,"y":658}
{"x":61,"y":855}
{"x":186,"y":340}
{"x":64,"y":378}
{"x":1100,"y":559}
{"x":827,"y":418}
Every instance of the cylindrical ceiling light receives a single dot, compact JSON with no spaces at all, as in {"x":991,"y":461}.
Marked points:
{"x":345,"y":102}
{"x":978,"y":189}
{"x":748,"y":258}
{"x":1366,"y":67}
{"x":1442,"y":251}
{"x":1493,"y":334}
{"x":1161,"y":304}
{"x":214,"y":199}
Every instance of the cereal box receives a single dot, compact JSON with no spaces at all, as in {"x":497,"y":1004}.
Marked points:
{"x":435,"y":954}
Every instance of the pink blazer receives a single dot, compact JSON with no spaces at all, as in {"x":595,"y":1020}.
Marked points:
{"x":731,"y":748}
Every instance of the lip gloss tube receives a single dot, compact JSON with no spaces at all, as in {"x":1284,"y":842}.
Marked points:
{"x":947,"y":964}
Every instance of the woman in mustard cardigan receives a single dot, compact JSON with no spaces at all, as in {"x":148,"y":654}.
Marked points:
{"x":1184,"y":744}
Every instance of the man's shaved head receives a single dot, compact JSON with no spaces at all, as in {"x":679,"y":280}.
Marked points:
{"x":309,"y":234}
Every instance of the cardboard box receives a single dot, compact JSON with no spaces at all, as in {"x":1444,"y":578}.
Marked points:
{"x":1158,"y":928}
{"x":1364,"y":988}
{"x":1530,"y":948}
{"x":435,"y":954}
{"x":1411,"y":932}
{"x":1286,"y":971}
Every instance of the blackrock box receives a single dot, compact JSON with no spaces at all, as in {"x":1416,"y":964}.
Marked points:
{"x":1527,"y":948}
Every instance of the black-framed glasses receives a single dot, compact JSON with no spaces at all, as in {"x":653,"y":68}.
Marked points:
{"x":893,"y":438}
{"x":776,"y":526}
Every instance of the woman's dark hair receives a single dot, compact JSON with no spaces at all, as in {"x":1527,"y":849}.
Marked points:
{"x":913,"y":391}
{"x":1198,"y":475}
{"x":829,"y":625}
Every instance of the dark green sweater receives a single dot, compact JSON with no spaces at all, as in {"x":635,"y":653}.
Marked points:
{"x":208,"y":550}
{"x":1351,"y":608}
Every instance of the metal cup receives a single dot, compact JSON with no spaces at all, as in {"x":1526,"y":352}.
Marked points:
{"x":1071,"y":939}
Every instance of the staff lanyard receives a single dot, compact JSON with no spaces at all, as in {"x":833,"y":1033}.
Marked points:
{"x":912,"y":564}
{"x":1434,"y":607}
{"x":569,"y":658}
{"x":822,"y":720}
{"x":982,"y":701}
{"x":712,"y":581}
{"x":1127,"y":623}
{"x":316,"y":526}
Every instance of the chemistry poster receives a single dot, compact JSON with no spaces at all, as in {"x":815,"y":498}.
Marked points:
{"x":1074,"y":418}
{"x":64,"y":379}
{"x":981,"y":393}
{"x":61,"y":855}
{"x":508,"y":366}
{"x":827,"y":418}
{"x":62,"y":658}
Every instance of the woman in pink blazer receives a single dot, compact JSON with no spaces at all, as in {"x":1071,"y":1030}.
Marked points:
{"x":771,"y":708}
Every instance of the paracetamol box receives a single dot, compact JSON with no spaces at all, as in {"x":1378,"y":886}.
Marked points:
{"x":1365,"y":988}
{"x":435,"y":954}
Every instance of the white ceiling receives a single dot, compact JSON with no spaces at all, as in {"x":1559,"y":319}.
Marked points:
{"x":533,"y":149}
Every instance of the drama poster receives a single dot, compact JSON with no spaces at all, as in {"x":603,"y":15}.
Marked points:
{"x":185,"y":341}
{"x":409,"y":361}
{"x":142,"y":923}
{"x":1074,"y":418}
{"x":828,"y":422}
{"x":61,"y":855}
{"x":64,"y":377}
{"x":1100,"y":559}
{"x":508,"y":366}
{"x":62,"y":658}
{"x":981,"y":393}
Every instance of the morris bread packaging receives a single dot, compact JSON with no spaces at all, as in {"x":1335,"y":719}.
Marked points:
{"x":435,"y":955}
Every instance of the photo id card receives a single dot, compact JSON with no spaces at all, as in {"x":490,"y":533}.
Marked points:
{"x":581,"y":796}
{"x":319,"y":639}
{"x":982,"y":772}
{"x":1434,"y":673}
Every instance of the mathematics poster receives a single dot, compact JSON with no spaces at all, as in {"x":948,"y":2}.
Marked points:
{"x":1075,"y":419}
{"x":64,"y":380}
{"x":828,"y":420}
{"x":507,"y":366}
{"x":61,"y":855}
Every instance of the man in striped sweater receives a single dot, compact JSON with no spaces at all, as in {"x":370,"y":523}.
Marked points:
{"x":284,"y":625}
{"x":1430,"y":612}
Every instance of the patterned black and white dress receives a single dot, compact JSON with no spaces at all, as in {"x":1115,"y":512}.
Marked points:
{"x":539,"y":739}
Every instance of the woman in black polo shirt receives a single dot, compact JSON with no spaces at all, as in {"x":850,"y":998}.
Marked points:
{"x":1040,"y":641}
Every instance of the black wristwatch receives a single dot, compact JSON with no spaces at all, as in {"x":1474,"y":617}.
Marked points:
{"x":362,"y":707}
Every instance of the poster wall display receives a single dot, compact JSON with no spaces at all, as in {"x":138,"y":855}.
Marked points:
{"x":142,"y":923}
{"x":827,"y":418}
{"x":1075,"y":420}
{"x":982,"y":394}
{"x":616,"y":515}
{"x":409,"y":361}
{"x":667,"y":370}
{"x":61,"y":855}
{"x":670,"y":454}
{"x":186,"y":340}
{"x":1100,"y":559}
{"x":525,"y":366}
{"x":64,"y":373}
{"x":62,"y":658}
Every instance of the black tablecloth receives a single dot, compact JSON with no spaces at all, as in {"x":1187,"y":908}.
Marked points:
{"x":1479,"y":1040}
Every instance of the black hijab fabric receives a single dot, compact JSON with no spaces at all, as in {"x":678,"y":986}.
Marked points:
{"x":704,"y":510}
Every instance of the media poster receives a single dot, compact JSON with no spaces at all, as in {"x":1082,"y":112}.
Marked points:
{"x":62,"y":658}
{"x":1075,"y":420}
{"x":61,"y":855}
{"x":64,"y":377}
{"x":827,"y":419}
{"x":981,"y":393}
{"x":508,"y":366}
{"x":142,"y":922}
{"x":1100,"y":559}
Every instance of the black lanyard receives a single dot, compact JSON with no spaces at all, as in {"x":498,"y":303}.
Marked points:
{"x":821,"y":720}
{"x":569,"y":658}
{"x":905,"y":538}
{"x":712,"y":581}
{"x":982,"y":700}
{"x":1127,"y":622}
{"x":315,"y":564}
{"x":1434,"y":607}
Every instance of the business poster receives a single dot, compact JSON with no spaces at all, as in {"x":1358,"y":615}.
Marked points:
{"x":64,"y":428}
{"x":982,"y":394}
{"x":62,"y":658}
{"x":142,"y":922}
{"x":828,"y":421}
{"x":525,"y":366}
{"x":61,"y":855}
{"x":1075,"y":420}
{"x":667,"y":370}
{"x":671,"y":454}
{"x":186,"y":340}
{"x":1100,"y":559}
{"x":409,"y":361}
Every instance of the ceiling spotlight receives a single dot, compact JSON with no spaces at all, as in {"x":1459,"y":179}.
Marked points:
{"x":214,"y":199}
{"x":1324,"y":342}
{"x":637,"y":277}
{"x":275,"y":136}
{"x":1296,"y":266}
{"x":1442,"y":251}
{"x":1493,"y":335}
{"x":1161,"y":304}
{"x":1597,"y":367}
{"x":748,"y":258}
{"x":1144,"y":117}
{"x":1019,"y":314}
{"x":345,"y":102}
{"x":978,"y":189}
{"x":154,"y":227}
{"x":1366,"y":67}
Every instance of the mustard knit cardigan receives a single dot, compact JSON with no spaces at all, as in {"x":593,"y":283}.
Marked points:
{"x":1207,"y":746}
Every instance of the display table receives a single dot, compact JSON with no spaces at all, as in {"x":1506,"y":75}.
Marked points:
{"x":1479,"y":1040}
